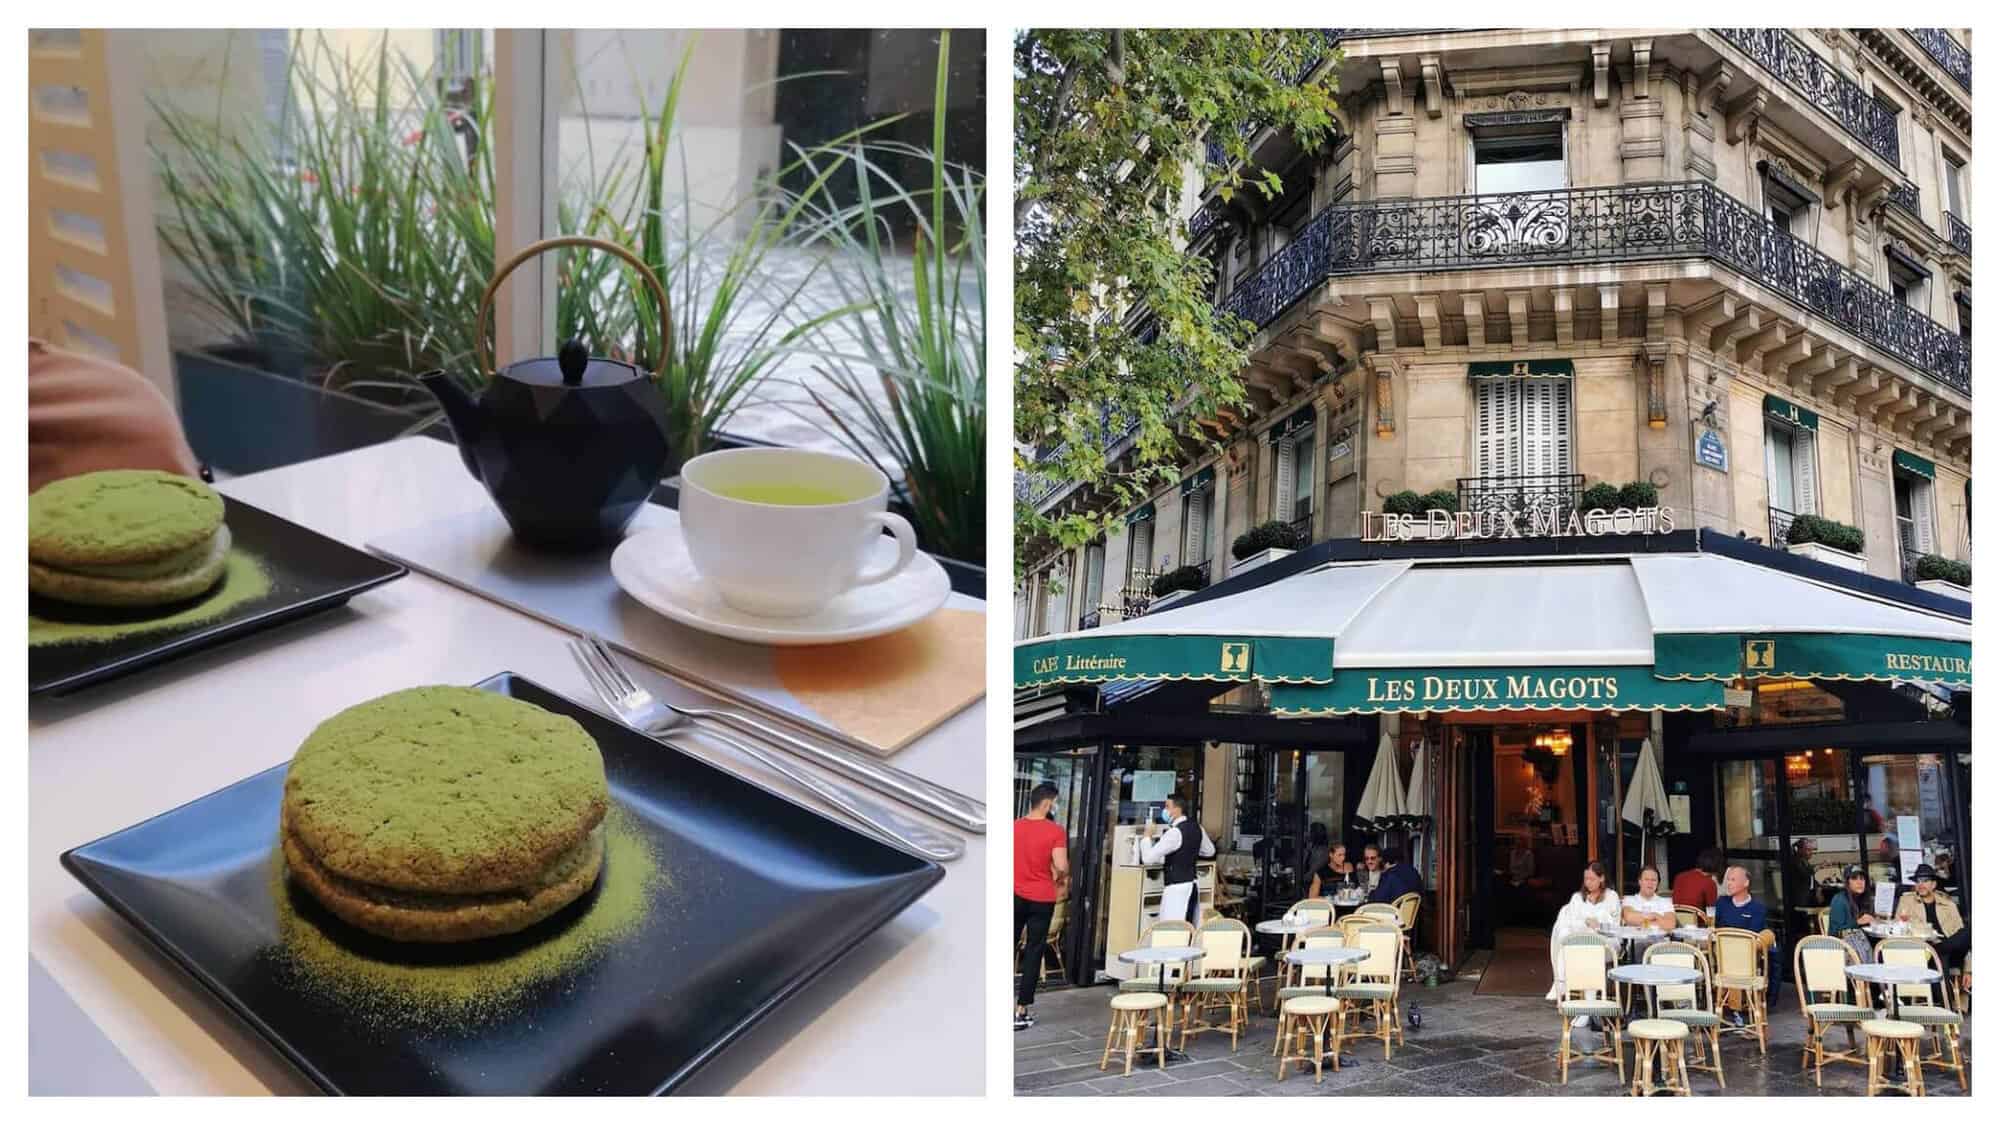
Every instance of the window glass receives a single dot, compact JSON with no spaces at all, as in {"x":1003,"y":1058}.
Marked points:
{"x":1522,"y":162}
{"x":1954,"y":171}
{"x":1905,"y":810}
{"x":1778,"y":440}
{"x":1302,"y":483}
{"x":1780,"y":702}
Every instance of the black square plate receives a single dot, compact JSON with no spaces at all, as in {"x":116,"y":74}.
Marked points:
{"x":768,"y":894}
{"x":309,"y":573}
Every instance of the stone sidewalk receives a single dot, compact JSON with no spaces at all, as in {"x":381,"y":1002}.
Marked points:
{"x":1478,"y":1046}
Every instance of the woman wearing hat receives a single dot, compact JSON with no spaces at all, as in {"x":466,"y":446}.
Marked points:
{"x":1852,"y":909}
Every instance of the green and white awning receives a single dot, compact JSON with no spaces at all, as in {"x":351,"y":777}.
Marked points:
{"x":1640,"y":633}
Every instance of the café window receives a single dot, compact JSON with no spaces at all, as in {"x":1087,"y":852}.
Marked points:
{"x":1292,"y":475}
{"x":1522,"y":427}
{"x":1790,"y":453}
{"x":1906,"y":808}
{"x":1519,"y":158}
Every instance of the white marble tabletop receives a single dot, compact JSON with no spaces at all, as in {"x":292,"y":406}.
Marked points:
{"x":1877,"y":973}
{"x":1652,"y":975}
{"x":109,"y":1015}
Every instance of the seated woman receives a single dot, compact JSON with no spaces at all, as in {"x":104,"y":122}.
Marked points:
{"x":1336,"y":871}
{"x":1852,"y":909}
{"x":1588,"y":910}
{"x":1649,"y":908}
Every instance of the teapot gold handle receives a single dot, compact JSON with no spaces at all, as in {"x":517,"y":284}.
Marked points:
{"x":535,"y":249}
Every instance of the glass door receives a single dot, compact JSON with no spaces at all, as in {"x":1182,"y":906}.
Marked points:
{"x":1304,"y":814}
{"x":1074,"y":774}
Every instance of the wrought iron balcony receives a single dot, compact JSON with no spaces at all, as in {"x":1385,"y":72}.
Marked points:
{"x":1959,"y":234}
{"x":1941,"y":47}
{"x":1303,"y":528}
{"x":1632,"y":222}
{"x":1091,"y":620}
{"x":1815,"y":79}
{"x":1905,"y":196}
{"x":1545,"y":494}
{"x":1781,"y":525}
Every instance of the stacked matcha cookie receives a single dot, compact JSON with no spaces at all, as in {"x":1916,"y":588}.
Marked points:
{"x":125,"y":537}
{"x":442,"y":814}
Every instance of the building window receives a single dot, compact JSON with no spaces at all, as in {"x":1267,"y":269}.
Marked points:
{"x":1916,"y":516}
{"x":1292,"y":479}
{"x":1906,"y":283}
{"x":1523,"y":427}
{"x":1786,"y":202}
{"x":1954,"y":185}
{"x":1196,"y":507}
{"x":1055,"y":600}
{"x":1139,"y":551}
{"x":1896,"y":112}
{"x":1790,"y":468}
{"x":1093,"y":577}
{"x":1519,"y":158}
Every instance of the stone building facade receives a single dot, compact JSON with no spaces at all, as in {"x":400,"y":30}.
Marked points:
{"x":1731,"y":263}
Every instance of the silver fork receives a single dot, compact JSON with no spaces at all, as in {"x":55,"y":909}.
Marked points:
{"x":948,"y":805}
{"x":636,"y":708}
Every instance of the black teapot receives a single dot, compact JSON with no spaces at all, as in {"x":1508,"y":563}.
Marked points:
{"x":568,"y":446}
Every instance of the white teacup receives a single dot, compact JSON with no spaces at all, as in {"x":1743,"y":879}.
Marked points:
{"x":782,"y":532}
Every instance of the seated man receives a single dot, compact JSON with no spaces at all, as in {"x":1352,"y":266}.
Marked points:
{"x":1398,"y":878}
{"x":87,"y":414}
{"x":1738,"y":909}
{"x":1925,"y":903}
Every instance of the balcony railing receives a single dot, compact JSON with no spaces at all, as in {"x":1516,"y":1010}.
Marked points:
{"x":1781,"y":526}
{"x":1815,"y":79}
{"x":1091,"y":620}
{"x":1959,"y":234}
{"x":1607,"y":224}
{"x":1545,"y":494}
{"x":1941,"y":47}
{"x":1906,"y":197}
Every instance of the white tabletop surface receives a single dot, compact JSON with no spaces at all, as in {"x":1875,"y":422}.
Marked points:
{"x":1654,"y":974}
{"x":110,"y":1015}
{"x":1877,"y":973}
{"x":1280,"y":926}
{"x":1327,"y":955}
{"x":1693,"y":933}
{"x":1162,"y":954}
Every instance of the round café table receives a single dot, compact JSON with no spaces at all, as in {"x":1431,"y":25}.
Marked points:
{"x":1651,"y":977}
{"x":1694,"y":935}
{"x":1890,"y":976}
{"x":1331,"y":956}
{"x":1164,"y":955}
{"x":1278,"y":927}
{"x":1878,"y":931}
{"x":1629,"y":937}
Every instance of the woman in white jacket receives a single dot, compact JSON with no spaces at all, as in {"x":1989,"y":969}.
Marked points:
{"x":1589,"y":910}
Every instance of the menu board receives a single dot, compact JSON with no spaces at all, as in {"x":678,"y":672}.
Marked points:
{"x":1885,"y":900}
{"x":1149,"y":786}
{"x":1910,"y":841}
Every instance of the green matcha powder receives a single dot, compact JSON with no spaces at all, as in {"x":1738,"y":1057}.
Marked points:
{"x":243,"y":581}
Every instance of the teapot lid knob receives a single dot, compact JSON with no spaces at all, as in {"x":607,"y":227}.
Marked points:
{"x":572,"y":358}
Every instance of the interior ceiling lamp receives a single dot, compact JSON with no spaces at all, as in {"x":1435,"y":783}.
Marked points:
{"x":1556,"y":742}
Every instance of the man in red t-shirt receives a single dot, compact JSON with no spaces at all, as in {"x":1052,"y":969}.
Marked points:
{"x":1041,"y":879}
{"x":1696,"y":886}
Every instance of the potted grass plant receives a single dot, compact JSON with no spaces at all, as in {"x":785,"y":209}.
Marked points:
{"x":901,"y":360}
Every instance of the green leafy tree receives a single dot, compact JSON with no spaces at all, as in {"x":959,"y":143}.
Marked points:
{"x":1108,"y":128}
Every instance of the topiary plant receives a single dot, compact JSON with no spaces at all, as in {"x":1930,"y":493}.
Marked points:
{"x":1275,"y":534}
{"x":1943,"y":569}
{"x":1603,"y":494}
{"x":1404,"y":503}
{"x":1179,"y":578}
{"x":1639,"y":494}
{"x":1826,"y":532}
{"x":1444,"y":500}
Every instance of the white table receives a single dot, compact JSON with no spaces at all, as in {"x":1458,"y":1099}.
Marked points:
{"x":1873,"y":972}
{"x":1696,"y":934}
{"x":1332,"y":955}
{"x":111,"y":1015}
{"x":1280,"y":926}
{"x":1651,"y":977}
{"x":1164,"y":955}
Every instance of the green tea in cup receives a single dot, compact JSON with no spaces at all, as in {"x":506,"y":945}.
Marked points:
{"x":795,"y":494}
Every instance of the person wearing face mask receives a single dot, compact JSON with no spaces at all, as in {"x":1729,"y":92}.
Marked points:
{"x":1852,"y":909}
{"x":1177,"y":847}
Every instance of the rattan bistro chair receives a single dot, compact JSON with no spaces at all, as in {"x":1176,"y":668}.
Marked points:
{"x":1691,"y":916}
{"x":1224,"y":982}
{"x":1373,"y":988}
{"x":1052,"y":961}
{"x":1587,"y":959}
{"x":1158,"y":935}
{"x":1691,"y":1004}
{"x":1827,"y":1000}
{"x":1406,"y":920}
{"x":1352,"y":925}
{"x":1296,"y":981}
{"x":1742,"y":980}
{"x":1933,"y":1007}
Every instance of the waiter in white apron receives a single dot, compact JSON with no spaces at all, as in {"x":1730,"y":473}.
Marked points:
{"x":1177,"y":848}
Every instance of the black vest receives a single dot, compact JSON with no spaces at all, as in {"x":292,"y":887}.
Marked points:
{"x":1180,"y":865}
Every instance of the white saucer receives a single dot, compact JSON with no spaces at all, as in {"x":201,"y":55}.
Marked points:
{"x":653,"y":566}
